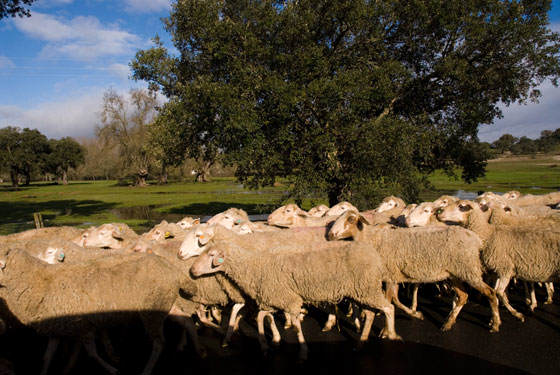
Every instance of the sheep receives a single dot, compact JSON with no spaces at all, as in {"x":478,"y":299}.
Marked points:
{"x":444,"y":200}
{"x":401,"y":219}
{"x":304,"y":239}
{"x":112,"y":235}
{"x":550,"y":199}
{"x":65,"y":232}
{"x":211,"y":291}
{"x":318,"y":211}
{"x":188,"y":222}
{"x":423,"y":255}
{"x":525,"y":252}
{"x":389,"y":211}
{"x":287,"y":280}
{"x":164,"y":231}
{"x":424,"y":215}
{"x":339,"y":208}
{"x":292,"y":216}
{"x":390,"y":203}
{"x":229,"y":218}
{"x":48,"y":298}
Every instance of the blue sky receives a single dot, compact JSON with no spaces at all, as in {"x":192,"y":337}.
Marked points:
{"x":56,"y":65}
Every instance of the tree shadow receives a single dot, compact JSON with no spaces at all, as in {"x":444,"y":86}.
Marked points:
{"x":21,"y":212}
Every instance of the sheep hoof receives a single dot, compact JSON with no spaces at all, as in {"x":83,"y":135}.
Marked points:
{"x":418,"y":315}
{"x":287,"y":326}
{"x":548,"y":302}
{"x":520,"y":317}
{"x":446,"y":327}
{"x":326,"y":329}
{"x":202,"y":353}
{"x":494,"y":329}
{"x":225,"y":344}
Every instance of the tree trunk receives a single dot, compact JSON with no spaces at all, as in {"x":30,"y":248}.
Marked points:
{"x":27,"y":179}
{"x":163,"y":175}
{"x":65,"y":177}
{"x":203,"y":172}
{"x":335,"y":192}
{"x":14,"y":177}
{"x":141,"y":177}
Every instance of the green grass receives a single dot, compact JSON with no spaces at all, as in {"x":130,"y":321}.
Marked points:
{"x":86,"y":203}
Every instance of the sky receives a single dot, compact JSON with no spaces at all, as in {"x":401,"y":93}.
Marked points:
{"x":56,"y":65}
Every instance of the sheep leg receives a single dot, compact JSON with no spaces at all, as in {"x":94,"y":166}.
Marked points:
{"x":370,"y":315}
{"x":377,"y":300}
{"x":549,"y":293}
{"x":301,"y":339}
{"x":530,"y":298}
{"x":73,"y":358}
{"x":157,"y":347}
{"x":49,"y":353}
{"x":533,"y":304}
{"x":331,"y":321}
{"x":287,"y":320}
{"x":414,"y":297}
{"x":356,"y":313}
{"x":260,"y":328}
{"x":502,"y":284}
{"x":190,"y":327}
{"x":393,"y":295}
{"x":275,"y":333}
{"x":108,"y":346}
{"x":489,"y":293}
{"x":232,"y":323}
{"x":216,"y":314}
{"x":207,"y":322}
{"x":460,"y":300}
{"x":89,"y":345}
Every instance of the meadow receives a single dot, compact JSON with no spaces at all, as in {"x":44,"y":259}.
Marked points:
{"x":85,"y":203}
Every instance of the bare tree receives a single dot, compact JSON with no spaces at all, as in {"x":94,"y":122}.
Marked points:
{"x":124,"y":125}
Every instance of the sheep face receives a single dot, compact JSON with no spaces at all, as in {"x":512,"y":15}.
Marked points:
{"x":210,"y":261}
{"x":287,"y":216}
{"x":188,"y":222}
{"x":318,"y":211}
{"x":159,"y":232}
{"x":347,"y":225}
{"x":420,"y":216}
{"x":142,"y":246}
{"x":106,"y":235}
{"x":80,"y":241}
{"x":456,"y":213}
{"x":514,"y":194}
{"x":444,"y":201}
{"x":340,"y":208}
{"x":225,"y":219}
{"x":195,"y":242}
{"x":52,"y":255}
{"x":389,"y":203}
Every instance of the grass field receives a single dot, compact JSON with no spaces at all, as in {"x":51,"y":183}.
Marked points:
{"x":87,"y":203}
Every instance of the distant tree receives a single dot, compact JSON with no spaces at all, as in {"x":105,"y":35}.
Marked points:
{"x":65,"y":153}
{"x":101,"y":161}
{"x":124,"y":125}
{"x":504,"y":143}
{"x":348,"y":97}
{"x":525,"y":146}
{"x":549,"y":140}
{"x":23,"y":152}
{"x":15,"y":8}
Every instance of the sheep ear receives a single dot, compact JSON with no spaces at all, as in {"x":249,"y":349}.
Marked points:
{"x":196,"y":221}
{"x":218,"y":259}
{"x":362,"y":219}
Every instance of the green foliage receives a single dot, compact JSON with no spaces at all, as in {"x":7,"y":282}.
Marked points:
{"x":353,"y":98}
{"x":65,"y":153}
{"x":15,"y":8}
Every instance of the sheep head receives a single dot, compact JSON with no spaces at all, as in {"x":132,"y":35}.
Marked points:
{"x":347,"y":225}
{"x":188,"y":222}
{"x":195,"y":241}
{"x":106,"y":235}
{"x":210,"y":261}
{"x":514,"y":194}
{"x":340,"y":208}
{"x":227,"y":219}
{"x":289,"y":215}
{"x":420,"y":216}
{"x":318,"y":211}
{"x":52,"y":255}
{"x":444,"y":201}
{"x":389,"y":203}
{"x":456,"y":213}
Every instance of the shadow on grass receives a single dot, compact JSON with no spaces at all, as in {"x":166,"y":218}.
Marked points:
{"x":212,"y":208}
{"x":18,"y":212}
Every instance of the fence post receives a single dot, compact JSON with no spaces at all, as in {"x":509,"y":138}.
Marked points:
{"x":38,"y":220}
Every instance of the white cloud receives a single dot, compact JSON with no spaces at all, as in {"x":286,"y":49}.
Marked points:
{"x":74,"y":116}
{"x":6,"y":62}
{"x":146,"y":6}
{"x":81,"y":38}
{"x":527,"y":120}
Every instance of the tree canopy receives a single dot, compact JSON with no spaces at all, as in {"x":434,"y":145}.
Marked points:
{"x":15,"y":8}
{"x":65,"y":153}
{"x":354,"y":98}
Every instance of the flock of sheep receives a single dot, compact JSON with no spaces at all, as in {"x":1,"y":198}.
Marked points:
{"x":67,"y":282}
